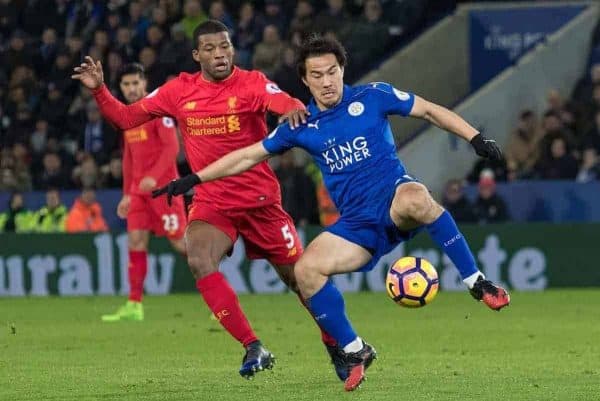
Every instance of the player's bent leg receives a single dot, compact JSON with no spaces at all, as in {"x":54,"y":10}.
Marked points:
{"x":412,"y":207}
{"x":326,"y":302}
{"x":206,"y":245}
{"x":133,"y":310}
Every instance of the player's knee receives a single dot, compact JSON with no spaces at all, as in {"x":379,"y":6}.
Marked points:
{"x":413,"y":201}
{"x":306,"y":271}
{"x":201,"y":266}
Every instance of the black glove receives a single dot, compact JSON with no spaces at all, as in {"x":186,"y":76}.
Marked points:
{"x":177,"y":187}
{"x":486,"y":147}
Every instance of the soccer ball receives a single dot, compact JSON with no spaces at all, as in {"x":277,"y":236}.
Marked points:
{"x":412,"y":282}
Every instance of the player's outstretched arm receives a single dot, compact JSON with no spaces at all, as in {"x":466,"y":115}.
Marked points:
{"x":90,"y":74}
{"x":452,"y":122}
{"x":232,"y":164}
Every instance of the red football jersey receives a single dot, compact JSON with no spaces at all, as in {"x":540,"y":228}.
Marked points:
{"x":215,"y":118}
{"x":150,"y":150}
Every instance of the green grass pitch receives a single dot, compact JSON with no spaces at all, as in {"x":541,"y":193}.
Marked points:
{"x":545,"y":346}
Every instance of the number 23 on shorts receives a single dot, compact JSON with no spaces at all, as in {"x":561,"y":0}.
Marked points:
{"x":170,"y":222}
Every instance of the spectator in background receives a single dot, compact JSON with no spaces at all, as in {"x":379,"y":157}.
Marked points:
{"x":297,"y":191}
{"x":218,"y":11}
{"x":522,"y":151}
{"x":86,"y":214}
{"x":175,"y":55}
{"x":20,"y":127}
{"x":124,"y":44}
{"x":334,"y":18}
{"x":16,"y":219}
{"x":47,"y":51}
{"x":86,"y":175}
{"x":15,"y":174}
{"x":112,"y":173}
{"x":84,"y":17}
{"x":74,"y":48}
{"x":590,"y":166}
{"x":303,"y":18}
{"x":102,"y":42}
{"x":489,"y":206}
{"x":403,"y":16}
{"x":457,"y":204}
{"x":248,"y":32}
{"x":51,"y":218}
{"x":9,"y":10}
{"x":267,"y":54}
{"x":287,"y":78}
{"x":160,"y":18}
{"x":54,"y":110}
{"x":560,"y":165}
{"x":193,"y":16}
{"x":137,"y":23}
{"x":155,"y":38}
{"x":275,"y":15}
{"x":154,"y":73}
{"x":553,"y":127}
{"x":111,"y":73}
{"x":584,"y":87}
{"x":592,"y":138}
{"x":53,"y":174}
{"x":367,"y":30}
{"x":99,"y":139}
{"x":16,"y":54}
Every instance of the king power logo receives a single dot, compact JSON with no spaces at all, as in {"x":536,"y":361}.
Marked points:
{"x":338,"y":156}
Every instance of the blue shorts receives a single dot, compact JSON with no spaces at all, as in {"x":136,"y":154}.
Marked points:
{"x":373,"y":228}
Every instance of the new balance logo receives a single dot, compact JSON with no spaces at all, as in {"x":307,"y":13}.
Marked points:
{"x":314,"y":125}
{"x":321,"y":317}
{"x":190,"y":106}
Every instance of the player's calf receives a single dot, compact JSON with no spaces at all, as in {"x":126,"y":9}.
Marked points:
{"x":494,"y":296}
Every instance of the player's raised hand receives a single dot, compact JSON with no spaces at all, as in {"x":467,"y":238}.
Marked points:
{"x":123,"y":206}
{"x":177,"y":187}
{"x":89,"y":73}
{"x":147,"y":184}
{"x":295,"y":117}
{"x":487,"y":148}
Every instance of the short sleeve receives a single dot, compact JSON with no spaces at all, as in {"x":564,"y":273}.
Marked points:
{"x":279,"y":140}
{"x":392,"y":100}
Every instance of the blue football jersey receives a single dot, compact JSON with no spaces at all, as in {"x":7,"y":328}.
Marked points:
{"x":352,"y":143}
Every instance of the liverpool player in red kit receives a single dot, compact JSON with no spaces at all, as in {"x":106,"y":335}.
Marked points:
{"x":218,"y":110}
{"x":149,"y":153}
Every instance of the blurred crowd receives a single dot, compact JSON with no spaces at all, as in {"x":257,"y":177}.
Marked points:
{"x":52,"y":135}
{"x":563,"y":143}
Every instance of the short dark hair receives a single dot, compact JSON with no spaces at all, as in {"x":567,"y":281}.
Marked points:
{"x":210,"y":26}
{"x":318,"y":45}
{"x":132,"y":68}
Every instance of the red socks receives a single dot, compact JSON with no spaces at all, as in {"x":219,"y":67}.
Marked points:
{"x":224,"y":303}
{"x":325,"y":337}
{"x":138,"y":267}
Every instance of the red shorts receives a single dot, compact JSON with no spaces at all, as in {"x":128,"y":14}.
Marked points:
{"x":268,"y":231}
{"x":155,"y":215}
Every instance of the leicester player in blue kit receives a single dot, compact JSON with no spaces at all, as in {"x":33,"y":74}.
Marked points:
{"x":349,"y":136}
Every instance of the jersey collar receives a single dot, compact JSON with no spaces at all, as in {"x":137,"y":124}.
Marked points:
{"x":346,"y":95}
{"x":230,"y":78}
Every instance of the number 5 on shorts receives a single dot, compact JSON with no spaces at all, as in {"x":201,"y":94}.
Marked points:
{"x":171,"y":222}
{"x":287,"y":236}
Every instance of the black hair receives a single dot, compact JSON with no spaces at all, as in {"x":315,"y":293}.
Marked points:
{"x":318,"y":45}
{"x":132,"y":68}
{"x":207,"y":27}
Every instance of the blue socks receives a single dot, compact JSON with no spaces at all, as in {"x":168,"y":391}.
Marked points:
{"x":327,"y":306}
{"x":445,"y":233}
